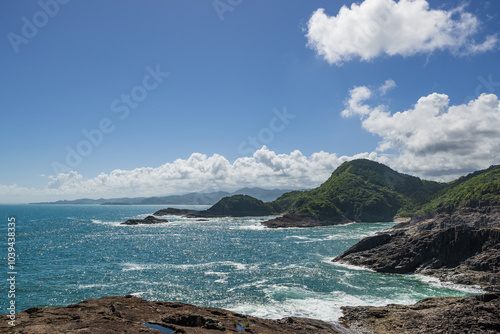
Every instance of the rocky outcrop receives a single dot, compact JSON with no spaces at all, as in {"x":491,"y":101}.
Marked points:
{"x":148,"y":220}
{"x":233,"y":206}
{"x":188,"y":213}
{"x":128,"y":314}
{"x":241,"y":206}
{"x":476,"y":314}
{"x":462,"y":246}
{"x":300,"y":220}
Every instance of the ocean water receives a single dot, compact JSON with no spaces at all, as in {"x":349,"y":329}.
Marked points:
{"x":68,"y":253}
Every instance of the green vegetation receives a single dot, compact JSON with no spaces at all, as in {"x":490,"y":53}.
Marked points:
{"x":467,"y":190}
{"x":361,"y":190}
{"x":241,"y":205}
{"x":364,"y":190}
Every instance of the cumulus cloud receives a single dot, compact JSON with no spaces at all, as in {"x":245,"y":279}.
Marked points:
{"x":386,"y":27}
{"x":63,"y":179}
{"x":199,"y":172}
{"x":433,"y":139}
{"x":387,"y":86}
{"x":354,"y":104}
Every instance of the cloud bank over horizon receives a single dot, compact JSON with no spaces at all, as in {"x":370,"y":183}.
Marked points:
{"x":197,"y":173}
{"x":432,"y":139}
{"x":385,"y":27}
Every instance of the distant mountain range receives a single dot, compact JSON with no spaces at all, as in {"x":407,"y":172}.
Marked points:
{"x":195,"y":198}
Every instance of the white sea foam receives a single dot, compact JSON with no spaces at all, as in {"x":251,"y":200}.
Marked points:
{"x":257,"y":284}
{"x":138,"y":294}
{"x":130,"y":266}
{"x":91,"y":286}
{"x":325,"y":307}
{"x":435,"y":282}
{"x":222,"y":276}
{"x":253,"y":227}
{"x":135,"y":266}
{"x":348,"y":266}
{"x":221,"y":280}
{"x":111,"y":223}
{"x":321,"y":239}
{"x":300,"y":237}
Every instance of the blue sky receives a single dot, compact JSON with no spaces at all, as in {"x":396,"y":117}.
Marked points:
{"x":279,"y":72}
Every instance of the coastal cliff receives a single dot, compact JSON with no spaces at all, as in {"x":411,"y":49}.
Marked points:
{"x":459,"y":242}
{"x":462,"y":247}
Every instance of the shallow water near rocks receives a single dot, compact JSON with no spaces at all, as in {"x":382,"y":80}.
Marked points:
{"x":68,"y":253}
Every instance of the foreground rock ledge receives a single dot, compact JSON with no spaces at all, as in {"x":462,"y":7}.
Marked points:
{"x":128,"y":314}
{"x":475,"y":314}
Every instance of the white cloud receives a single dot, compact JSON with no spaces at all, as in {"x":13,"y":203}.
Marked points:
{"x":354,"y":106}
{"x":197,"y":173}
{"x":433,"y":139}
{"x":63,"y":180}
{"x":358,"y":95}
{"x":387,"y":86}
{"x":408,"y":27}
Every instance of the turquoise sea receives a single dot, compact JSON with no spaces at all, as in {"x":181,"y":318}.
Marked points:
{"x":68,"y":253}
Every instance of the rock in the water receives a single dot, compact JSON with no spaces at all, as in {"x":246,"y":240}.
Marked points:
{"x":110,"y":315}
{"x":476,"y":314}
{"x":299,"y":220}
{"x":147,"y":220}
{"x":188,"y":213}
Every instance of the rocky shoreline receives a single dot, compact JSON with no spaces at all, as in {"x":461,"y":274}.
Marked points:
{"x":188,"y":213}
{"x":461,"y":246}
{"x":475,"y":314}
{"x":289,"y":220}
{"x":129,"y":314}
{"x":133,"y":315}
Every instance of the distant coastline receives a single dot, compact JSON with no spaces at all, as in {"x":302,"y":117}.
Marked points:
{"x":193,"y":198}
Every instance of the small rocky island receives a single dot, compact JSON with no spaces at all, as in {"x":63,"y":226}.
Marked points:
{"x":232,"y":206}
{"x":148,"y":221}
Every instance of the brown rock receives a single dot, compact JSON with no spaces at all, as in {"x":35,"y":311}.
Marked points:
{"x":476,"y":314}
{"x":128,"y":314}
